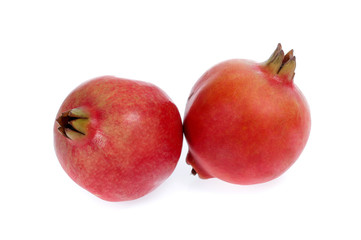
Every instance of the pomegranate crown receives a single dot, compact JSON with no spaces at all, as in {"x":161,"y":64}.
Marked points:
{"x":281,"y":64}
{"x":73,"y":124}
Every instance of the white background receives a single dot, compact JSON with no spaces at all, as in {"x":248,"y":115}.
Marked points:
{"x":47,"y":48}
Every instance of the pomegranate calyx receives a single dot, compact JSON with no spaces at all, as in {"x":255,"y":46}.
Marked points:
{"x":281,"y":65}
{"x":73,"y":124}
{"x":288,"y":69}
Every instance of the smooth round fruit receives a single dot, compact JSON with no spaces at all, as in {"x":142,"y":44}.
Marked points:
{"x":246,"y":122}
{"x":117,"y":138}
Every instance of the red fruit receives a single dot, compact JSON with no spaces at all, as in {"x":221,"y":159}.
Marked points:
{"x":117,"y":138}
{"x":246,"y":122}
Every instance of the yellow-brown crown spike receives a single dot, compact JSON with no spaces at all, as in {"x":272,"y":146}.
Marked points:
{"x":280,"y":64}
{"x":288,"y":69}
{"x":288,"y":56}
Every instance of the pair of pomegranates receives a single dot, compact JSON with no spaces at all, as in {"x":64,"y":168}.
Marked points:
{"x":244,"y":122}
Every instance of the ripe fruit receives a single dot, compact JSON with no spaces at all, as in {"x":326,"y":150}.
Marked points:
{"x":117,"y":138}
{"x":246,"y":122}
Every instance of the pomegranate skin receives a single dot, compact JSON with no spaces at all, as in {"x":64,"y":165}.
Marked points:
{"x":132,"y":140}
{"x":244,"y":124}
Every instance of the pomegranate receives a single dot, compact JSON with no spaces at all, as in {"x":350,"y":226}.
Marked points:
{"x":246,"y":122}
{"x":117,"y":138}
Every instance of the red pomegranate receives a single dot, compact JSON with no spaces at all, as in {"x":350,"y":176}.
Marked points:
{"x":117,"y":138}
{"x":246,"y":122}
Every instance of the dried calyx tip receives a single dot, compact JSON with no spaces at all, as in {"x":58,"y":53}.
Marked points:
{"x":73,"y":124}
{"x":280,"y":64}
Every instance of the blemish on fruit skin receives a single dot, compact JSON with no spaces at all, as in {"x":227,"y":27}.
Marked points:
{"x":132,"y":117}
{"x":99,"y":140}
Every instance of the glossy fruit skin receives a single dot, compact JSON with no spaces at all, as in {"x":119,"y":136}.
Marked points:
{"x":243,"y":124}
{"x":133,"y":143}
